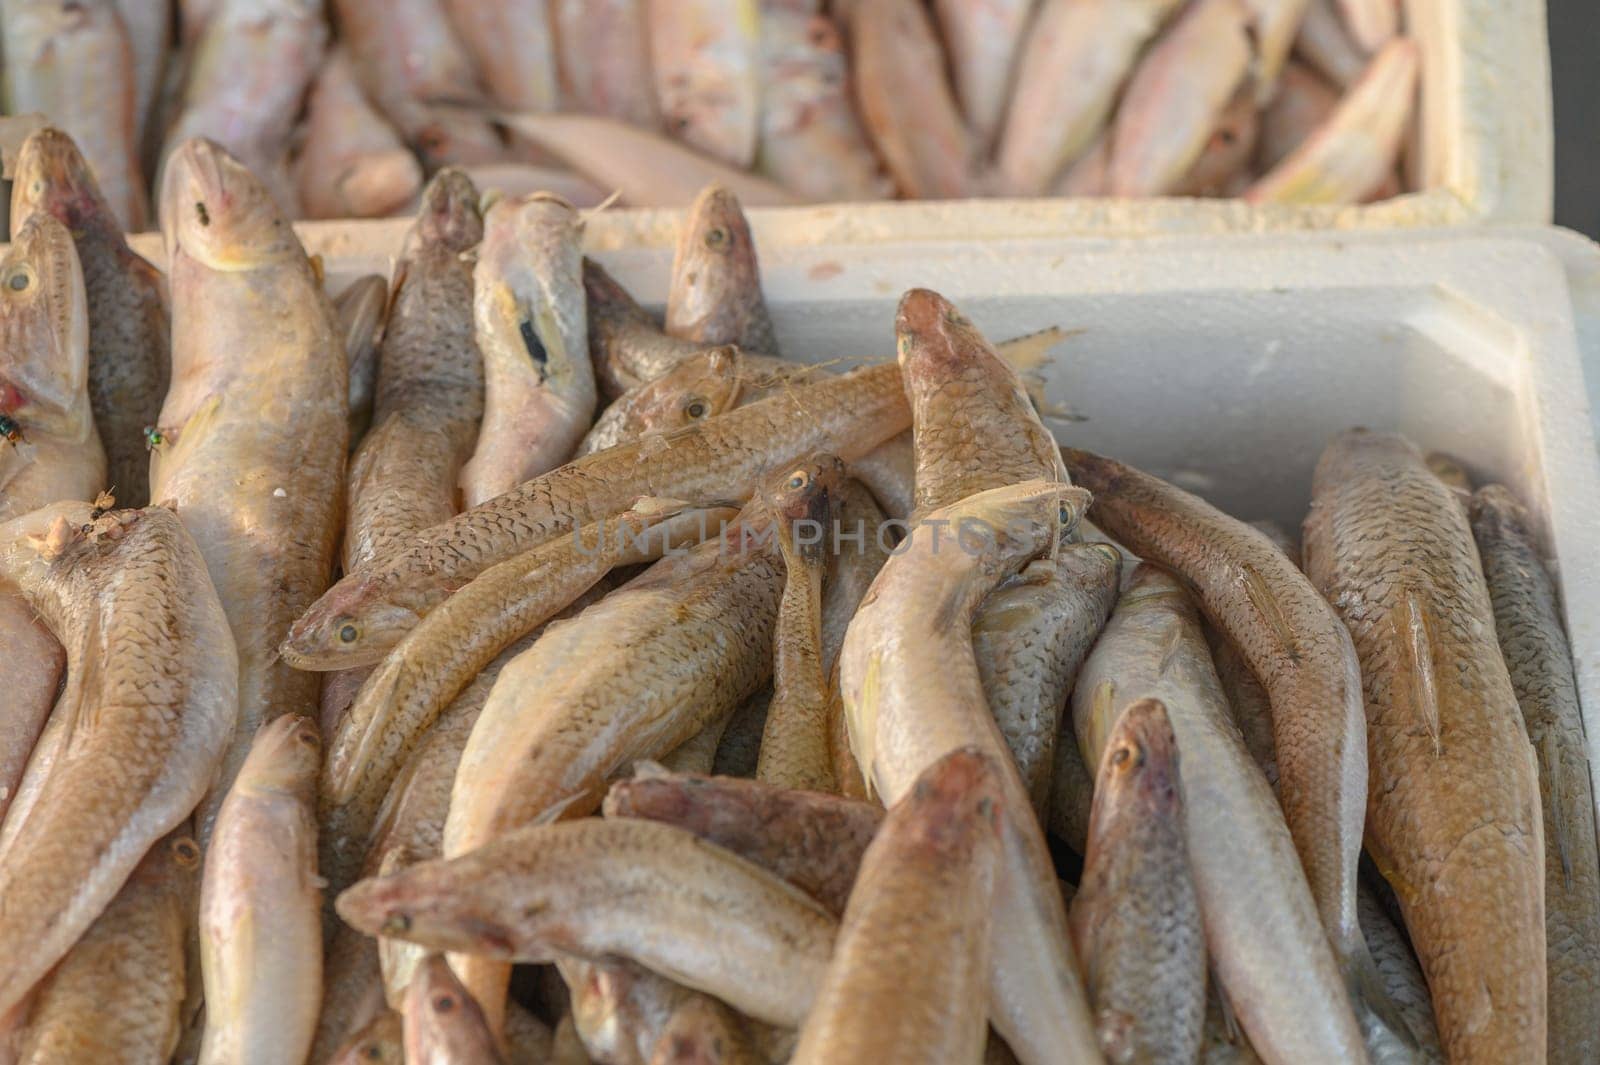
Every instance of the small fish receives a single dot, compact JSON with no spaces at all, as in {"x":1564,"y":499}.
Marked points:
{"x":715,"y":293}
{"x":353,"y":164}
{"x":705,"y":56}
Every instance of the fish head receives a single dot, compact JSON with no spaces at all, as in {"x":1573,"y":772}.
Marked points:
{"x":1139,"y":768}
{"x":424,"y":904}
{"x":1017,"y":520}
{"x":956,"y":799}
{"x":285,"y":756}
{"x":52,"y":177}
{"x":700,"y":387}
{"x":44,"y":327}
{"x":378,"y":1042}
{"x":215,"y":211}
{"x":353,"y":624}
{"x":715,"y":248}
{"x":804,"y":502}
{"x":443,"y":1020}
{"x":448,"y":215}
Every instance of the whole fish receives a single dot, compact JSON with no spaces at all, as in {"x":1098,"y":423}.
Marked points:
{"x":1031,"y":636}
{"x":412,"y":66}
{"x":705,"y":56}
{"x":381,"y":1041}
{"x":51,"y":452}
{"x":1402,"y":977}
{"x":645,"y":168}
{"x":429,"y":386}
{"x":1176,"y":95}
{"x":254,"y":424}
{"x":1076,"y":56}
{"x":1293,"y":642}
{"x":811,"y":140}
{"x":443,"y":1025}
{"x":1135,"y":918}
{"x":1527,"y":619}
{"x":247,"y":82}
{"x":1260,"y":920}
{"x":149,"y":27}
{"x":906,"y":103}
{"x":528,"y":312}
{"x":1326,"y":45}
{"x":1372,"y":23}
{"x":812,"y":840}
{"x":715,"y":294}
{"x":511,"y":44}
{"x":616,"y":684}
{"x":695,"y":389}
{"x":260,"y":904}
{"x":361,"y":311}
{"x":626,"y":343}
{"x":71,"y":60}
{"x":1355,"y":149}
{"x":604,"y":53}
{"x":721,"y":458}
{"x":1305,"y":100}
{"x":138,"y":733}
{"x":127,"y":315}
{"x":88,"y":1009}
{"x":912,"y":694}
{"x":908,"y":974}
{"x":983,"y":38}
{"x":592,"y":888}
{"x":1389,"y":546}
{"x":794,"y":740}
{"x":353,"y":164}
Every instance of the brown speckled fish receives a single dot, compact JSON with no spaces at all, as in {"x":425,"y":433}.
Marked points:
{"x":721,"y":458}
{"x":127,"y":314}
{"x":1527,"y":619}
{"x":137,"y":735}
{"x":442,"y":1023}
{"x":1294,"y":643}
{"x":594,"y":888}
{"x":715,"y":294}
{"x":254,"y":424}
{"x":699,"y":387}
{"x":1453,"y":814}
{"x":114,"y":998}
{"x":906,"y":982}
{"x":1135,"y":918}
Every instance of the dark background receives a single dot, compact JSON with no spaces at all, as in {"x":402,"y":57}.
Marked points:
{"x":1575,"y":77}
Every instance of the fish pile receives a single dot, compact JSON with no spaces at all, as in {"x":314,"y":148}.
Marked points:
{"x":782,"y":101}
{"x":474,"y":668}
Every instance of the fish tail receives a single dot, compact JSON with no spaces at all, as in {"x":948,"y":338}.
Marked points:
{"x":1382,"y":1025}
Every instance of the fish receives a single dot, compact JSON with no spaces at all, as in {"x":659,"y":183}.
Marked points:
{"x":705,"y":58}
{"x":1388,"y":545}
{"x":594,"y":888}
{"x":148,"y":24}
{"x":1294,"y":643}
{"x":1527,"y":621}
{"x":794,"y":740}
{"x":1087,"y":175}
{"x":1176,"y":95}
{"x":603,"y":54}
{"x":811,"y":139}
{"x":631,"y":677}
{"x":715,"y":292}
{"x":889,"y":472}
{"x":260,"y":904}
{"x":624,"y":1012}
{"x":1136,"y":917}
{"x":1224,"y":161}
{"x":1402,"y":977}
{"x":380,"y":1041}
{"x":352,"y":997}
{"x":910,"y":968}
{"x":905,"y":102}
{"x":529,"y":319}
{"x":699,"y":387}
{"x":428,"y":394}
{"x":859,"y":551}
{"x":416,"y":71}
{"x":813,"y":840}
{"x":1075,"y":57}
{"x":912,"y":693}
{"x":126,"y":308}
{"x":88,"y":1009}
{"x":1030,"y":638}
{"x":983,"y":39}
{"x":254,"y":425}
{"x":1355,"y":149}
{"x":1256,"y":906}
{"x":71,"y":60}
{"x":1452,"y":472}
{"x":702,"y":1031}
{"x":1372,"y":23}
{"x":128,"y":759}
{"x":246,"y":83}
{"x":1274,"y":25}
{"x":512,"y":45}
{"x":645,"y":168}
{"x":51,"y":452}
{"x":1305,"y":100}
{"x":1324,"y":43}
{"x":442,"y":1023}
{"x":352,"y":164}
{"x":627,"y":345}
{"x":721,"y":458}
{"x":1248,"y":703}
{"x":361,"y":312}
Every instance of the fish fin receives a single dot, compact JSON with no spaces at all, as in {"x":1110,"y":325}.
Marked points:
{"x":1260,"y":596}
{"x":1030,"y":351}
{"x":1550,"y":755}
{"x":1169,"y":650}
{"x":178,"y":442}
{"x":552,"y":813}
{"x":1230,"y":1020}
{"x":861,"y":721}
{"x":1413,"y":635}
{"x":1373,"y":1006}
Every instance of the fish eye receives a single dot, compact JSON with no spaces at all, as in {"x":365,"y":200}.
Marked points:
{"x":186,"y":851}
{"x":374,"y":1052}
{"x":348,"y":633}
{"x":309,"y":738}
{"x":444,"y":1004}
{"x":799,"y":479}
{"x":19,"y":281}
{"x":695,"y":408}
{"x":1119,"y":756}
{"x":716,"y":237}
{"x":1065,"y":514}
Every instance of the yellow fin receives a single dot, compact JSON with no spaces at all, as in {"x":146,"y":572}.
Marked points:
{"x":1267,"y":606}
{"x":861,"y":721}
{"x":1413,"y":637}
